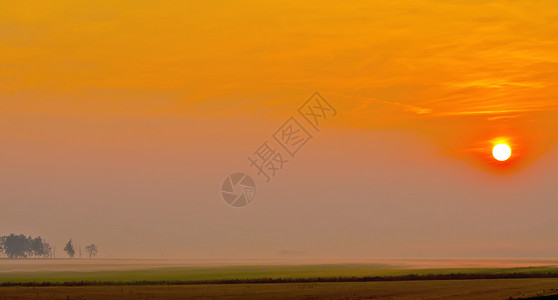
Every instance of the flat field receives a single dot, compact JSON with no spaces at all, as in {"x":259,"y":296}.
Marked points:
{"x":134,"y":270}
{"x":175,"y":279}
{"x":434,"y":289}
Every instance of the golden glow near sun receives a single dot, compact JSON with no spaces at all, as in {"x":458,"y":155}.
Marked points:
{"x":501,"y":152}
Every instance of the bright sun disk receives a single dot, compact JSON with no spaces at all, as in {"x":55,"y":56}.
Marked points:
{"x":501,"y":152}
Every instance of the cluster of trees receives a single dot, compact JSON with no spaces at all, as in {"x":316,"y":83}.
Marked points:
{"x":20,"y":246}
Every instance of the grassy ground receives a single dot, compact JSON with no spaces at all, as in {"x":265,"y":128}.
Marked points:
{"x":125,"y":279}
{"x":246,"y":272}
{"x":447,"y":289}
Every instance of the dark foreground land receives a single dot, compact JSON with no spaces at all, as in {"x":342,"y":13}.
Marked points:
{"x":431,"y":289}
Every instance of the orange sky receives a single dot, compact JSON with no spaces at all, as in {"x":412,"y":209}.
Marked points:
{"x":97,"y":91}
{"x":414,"y":64}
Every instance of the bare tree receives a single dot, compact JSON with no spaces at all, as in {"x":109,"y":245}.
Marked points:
{"x":69,"y":248}
{"x":91,"y":250}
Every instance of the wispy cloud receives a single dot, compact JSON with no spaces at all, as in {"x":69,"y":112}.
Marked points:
{"x":366,"y":101}
{"x":497,"y":83}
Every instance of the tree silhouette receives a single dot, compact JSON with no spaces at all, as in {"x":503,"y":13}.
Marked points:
{"x":46,"y":250}
{"x":38,"y":247}
{"x":19,"y":246}
{"x":16,"y":246}
{"x":69,"y":249}
{"x":91,"y":250}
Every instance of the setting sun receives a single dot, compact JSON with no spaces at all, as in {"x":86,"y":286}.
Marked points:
{"x":501,"y":152}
